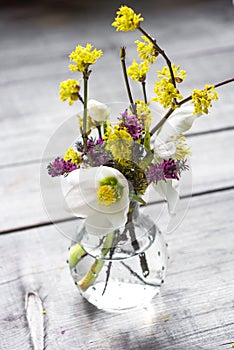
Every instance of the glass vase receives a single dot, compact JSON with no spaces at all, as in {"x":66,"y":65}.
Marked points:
{"x":123,"y":269}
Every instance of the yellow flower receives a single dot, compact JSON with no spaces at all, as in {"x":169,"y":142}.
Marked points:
{"x":179,"y":75}
{"x":69,"y":89}
{"x":138,"y":71}
{"x":110,"y":191}
{"x":118,"y":142}
{"x":90,"y":123}
{"x":73,"y":156}
{"x":83,"y":57}
{"x":146,"y":50}
{"x":144,"y":113}
{"x":182,"y":149}
{"x":166,"y":93}
{"x":201,"y":99}
{"x":127,"y":19}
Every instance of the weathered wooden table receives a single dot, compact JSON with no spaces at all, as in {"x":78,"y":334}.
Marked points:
{"x":195,"y":309}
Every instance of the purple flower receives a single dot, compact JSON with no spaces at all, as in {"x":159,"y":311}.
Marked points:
{"x":91,"y":143}
{"x":60,"y":167}
{"x":170,"y":169}
{"x":155,"y":173}
{"x":132,"y":124}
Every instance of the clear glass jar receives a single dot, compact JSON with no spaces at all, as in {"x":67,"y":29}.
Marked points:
{"x":123,"y":269}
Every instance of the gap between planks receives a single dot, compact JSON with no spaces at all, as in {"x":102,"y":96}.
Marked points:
{"x":49,"y":223}
{"x":45,"y":160}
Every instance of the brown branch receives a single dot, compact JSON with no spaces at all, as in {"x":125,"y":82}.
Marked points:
{"x":161,"y":52}
{"x":187,"y":99}
{"x":123,"y":63}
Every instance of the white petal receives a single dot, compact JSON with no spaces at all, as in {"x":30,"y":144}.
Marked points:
{"x":73,"y":177}
{"x":100,"y":224}
{"x":77,"y":203}
{"x":81,"y":198}
{"x":98,"y":111}
{"x":180,"y":121}
{"x":120,"y":205}
{"x":164,"y":150}
{"x":168,"y":191}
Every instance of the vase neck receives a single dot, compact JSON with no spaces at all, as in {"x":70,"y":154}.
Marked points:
{"x":134,"y":237}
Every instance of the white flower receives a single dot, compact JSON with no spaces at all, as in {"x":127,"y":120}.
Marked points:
{"x":168,"y":190}
{"x":166,"y":140}
{"x":165,"y":150}
{"x":180,"y":121}
{"x":98,"y":111}
{"x":101,"y":195}
{"x":165,"y":147}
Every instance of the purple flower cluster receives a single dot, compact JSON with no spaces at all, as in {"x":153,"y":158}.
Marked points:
{"x":155,"y":173}
{"x":168,"y":169}
{"x":60,"y":167}
{"x":93,"y":143}
{"x":132,"y":124}
{"x":97,"y":154}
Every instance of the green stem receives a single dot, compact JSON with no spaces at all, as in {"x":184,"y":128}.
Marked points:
{"x":144,"y":92}
{"x":76,"y":253}
{"x":185,"y":100}
{"x":95,"y":269}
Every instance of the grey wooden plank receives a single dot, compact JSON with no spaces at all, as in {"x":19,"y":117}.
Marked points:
{"x":196,"y":297}
{"x":21,"y":203}
{"x":35,"y":112}
{"x":30,"y":114}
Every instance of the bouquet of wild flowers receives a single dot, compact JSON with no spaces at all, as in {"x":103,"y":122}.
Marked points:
{"x":110,"y":169}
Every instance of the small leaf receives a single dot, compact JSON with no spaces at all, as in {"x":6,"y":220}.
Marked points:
{"x":147,"y":141}
{"x":139,"y":199}
{"x":178,"y":80}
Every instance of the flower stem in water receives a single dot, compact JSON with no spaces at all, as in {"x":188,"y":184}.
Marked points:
{"x":95,"y":269}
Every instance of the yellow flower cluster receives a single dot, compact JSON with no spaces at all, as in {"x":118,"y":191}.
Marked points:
{"x":182,"y":149}
{"x":137,"y":71}
{"x":127,"y":19}
{"x":166,"y":93}
{"x":202,"y":99}
{"x":118,"y":142}
{"x":146,"y":50}
{"x":73,"y":156}
{"x":69,"y":89}
{"x":106,"y":195}
{"x":90,"y":123}
{"x":179,"y":74}
{"x":144,"y":113}
{"x":83,"y":57}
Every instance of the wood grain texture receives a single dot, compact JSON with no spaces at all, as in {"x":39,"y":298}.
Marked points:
{"x":37,"y":62}
{"x":35,"y":314}
{"x":195,"y":308}
{"x":207,"y":175}
{"x":197,"y":296}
